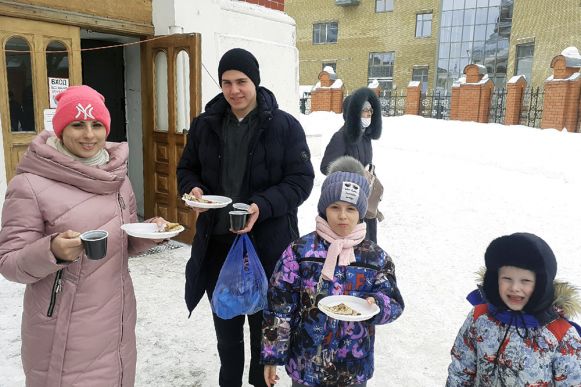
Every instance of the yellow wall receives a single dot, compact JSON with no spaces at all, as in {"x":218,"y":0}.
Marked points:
{"x":134,"y":10}
{"x":361,"y":31}
{"x":552,"y":25}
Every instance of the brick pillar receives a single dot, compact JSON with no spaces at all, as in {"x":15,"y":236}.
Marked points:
{"x":321,"y":100}
{"x":514,"y":93}
{"x":455,"y":103}
{"x":562,"y":93}
{"x":473,"y":100}
{"x":336,"y":102}
{"x":413,"y":98}
{"x":326,"y":98}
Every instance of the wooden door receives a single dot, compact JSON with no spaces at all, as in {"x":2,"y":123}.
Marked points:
{"x":33,"y":52}
{"x":171,"y":97}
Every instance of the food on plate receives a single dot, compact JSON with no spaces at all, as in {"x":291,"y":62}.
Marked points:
{"x":344,"y":310}
{"x":168,"y":227}
{"x":192,"y":198}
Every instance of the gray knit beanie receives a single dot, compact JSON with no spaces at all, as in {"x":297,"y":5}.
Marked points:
{"x":346,"y":182}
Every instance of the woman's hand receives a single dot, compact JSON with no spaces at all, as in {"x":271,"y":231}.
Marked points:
{"x":270,"y":376}
{"x":160,"y":222}
{"x":67,"y":246}
{"x":371,"y":300}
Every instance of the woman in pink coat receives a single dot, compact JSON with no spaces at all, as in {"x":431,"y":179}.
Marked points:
{"x":78,"y":321}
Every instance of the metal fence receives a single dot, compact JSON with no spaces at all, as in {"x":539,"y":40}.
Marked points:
{"x":392,"y":104}
{"x":305,"y":104}
{"x":532,"y":107}
{"x":497,"y":106}
{"x":435,"y":104}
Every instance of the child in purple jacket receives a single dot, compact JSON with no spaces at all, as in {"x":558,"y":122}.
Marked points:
{"x":336,"y":259}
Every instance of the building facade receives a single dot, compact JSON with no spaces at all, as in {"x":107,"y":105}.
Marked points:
{"x":155,"y":61}
{"x":432,"y":41}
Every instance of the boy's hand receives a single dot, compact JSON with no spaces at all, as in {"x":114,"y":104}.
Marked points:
{"x":198,"y":193}
{"x":270,"y":376}
{"x":253,"y":212}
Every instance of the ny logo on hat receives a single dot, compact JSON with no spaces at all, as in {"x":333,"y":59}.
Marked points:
{"x":350,"y":192}
{"x":87,"y":111}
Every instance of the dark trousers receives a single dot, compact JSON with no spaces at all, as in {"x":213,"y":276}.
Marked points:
{"x":230,"y":333}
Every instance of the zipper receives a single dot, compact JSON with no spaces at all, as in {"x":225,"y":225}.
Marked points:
{"x":123,"y":249}
{"x":56,"y":288}
{"x":121,"y":202}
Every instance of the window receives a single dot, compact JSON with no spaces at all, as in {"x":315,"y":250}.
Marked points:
{"x":423,"y":25}
{"x":333,"y":65}
{"x":421,"y":74}
{"x":524,"y":60}
{"x":472,"y":31}
{"x":383,"y":5}
{"x":325,"y":33}
{"x":381,"y":68}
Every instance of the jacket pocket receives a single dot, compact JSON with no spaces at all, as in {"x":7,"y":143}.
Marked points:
{"x":55,"y":290}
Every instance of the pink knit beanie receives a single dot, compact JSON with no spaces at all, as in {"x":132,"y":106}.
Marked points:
{"x":79,"y":103}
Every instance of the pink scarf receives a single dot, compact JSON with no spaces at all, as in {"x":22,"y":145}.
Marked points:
{"x":341,"y":247}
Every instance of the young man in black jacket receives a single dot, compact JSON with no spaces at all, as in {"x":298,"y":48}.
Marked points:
{"x":243,"y":147}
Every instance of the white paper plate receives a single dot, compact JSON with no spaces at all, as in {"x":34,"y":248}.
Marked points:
{"x":149,"y":231}
{"x":360,"y":305}
{"x":218,"y":202}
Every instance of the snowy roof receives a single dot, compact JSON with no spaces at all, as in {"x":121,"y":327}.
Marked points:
{"x":374,"y":84}
{"x":573,"y":77}
{"x":572,"y":57}
{"x":516,"y":78}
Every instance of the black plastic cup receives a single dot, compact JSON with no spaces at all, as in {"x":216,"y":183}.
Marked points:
{"x":238,"y":220}
{"x":95,"y":243}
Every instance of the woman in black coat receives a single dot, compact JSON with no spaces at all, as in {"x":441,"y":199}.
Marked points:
{"x":362,"y":114}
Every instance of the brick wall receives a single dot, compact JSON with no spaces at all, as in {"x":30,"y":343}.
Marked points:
{"x":273,"y":4}
{"x":327,"y":100}
{"x":514,"y":95}
{"x":413,"y":100}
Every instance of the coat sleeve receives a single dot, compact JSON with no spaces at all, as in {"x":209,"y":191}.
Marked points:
{"x":136,"y":245}
{"x":335,"y":149}
{"x":567,"y":361}
{"x":386,"y":294}
{"x":189,"y":169}
{"x":283,"y":303}
{"x":462,"y":369}
{"x":25,"y":254}
{"x":297,"y":181}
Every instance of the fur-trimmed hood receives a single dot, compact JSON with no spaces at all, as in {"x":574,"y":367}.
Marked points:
{"x":566,"y":299}
{"x":352,"y":114}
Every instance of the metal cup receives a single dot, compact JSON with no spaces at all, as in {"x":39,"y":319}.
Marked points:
{"x":238,"y":220}
{"x":95,"y":243}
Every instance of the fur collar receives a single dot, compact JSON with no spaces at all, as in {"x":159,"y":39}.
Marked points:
{"x":352,"y":115}
{"x":567,"y":300}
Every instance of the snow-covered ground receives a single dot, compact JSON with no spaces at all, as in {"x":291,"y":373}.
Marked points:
{"x":450,"y":188}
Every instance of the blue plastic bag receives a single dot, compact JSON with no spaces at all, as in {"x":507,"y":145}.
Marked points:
{"x":242,"y":283}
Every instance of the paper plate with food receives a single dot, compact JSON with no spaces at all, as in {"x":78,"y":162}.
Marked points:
{"x":206,"y":201}
{"x":347,"y":308}
{"x":152,"y":230}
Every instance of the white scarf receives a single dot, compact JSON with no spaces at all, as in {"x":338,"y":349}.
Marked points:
{"x":101,"y":158}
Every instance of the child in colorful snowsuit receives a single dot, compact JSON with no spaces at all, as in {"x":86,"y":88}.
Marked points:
{"x":518,"y":333}
{"x":336,"y":259}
